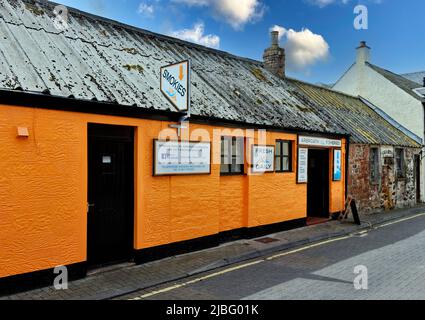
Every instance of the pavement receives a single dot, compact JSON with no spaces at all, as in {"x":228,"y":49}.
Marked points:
{"x":129,"y":280}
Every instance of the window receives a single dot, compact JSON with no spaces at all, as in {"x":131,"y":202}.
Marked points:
{"x":399,"y":162}
{"x":374,"y":165}
{"x":232,"y":155}
{"x":283,"y":156}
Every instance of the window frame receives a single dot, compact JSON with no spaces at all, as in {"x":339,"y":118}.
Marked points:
{"x":374,"y":180}
{"x":222,"y":156}
{"x":281,"y":156}
{"x":400,"y":173}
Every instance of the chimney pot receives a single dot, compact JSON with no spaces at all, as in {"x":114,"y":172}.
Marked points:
{"x":363,"y":53}
{"x":275,"y":38}
{"x":424,"y":82}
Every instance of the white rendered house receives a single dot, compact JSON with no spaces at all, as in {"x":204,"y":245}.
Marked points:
{"x":398,"y":97}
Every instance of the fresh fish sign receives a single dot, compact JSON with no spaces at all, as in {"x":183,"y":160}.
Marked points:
{"x":175,"y":84}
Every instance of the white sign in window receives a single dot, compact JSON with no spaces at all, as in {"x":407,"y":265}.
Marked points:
{"x":181,"y":158}
{"x":106,"y":159}
{"x":302,"y":165}
{"x":262,"y":159}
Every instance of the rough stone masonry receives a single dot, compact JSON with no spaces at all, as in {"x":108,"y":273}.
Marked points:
{"x":389,"y":191}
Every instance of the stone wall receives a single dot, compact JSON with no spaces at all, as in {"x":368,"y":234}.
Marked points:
{"x":389,"y":192}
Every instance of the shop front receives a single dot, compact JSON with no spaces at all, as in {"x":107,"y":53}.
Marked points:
{"x":90,"y":189}
{"x":320,"y":166}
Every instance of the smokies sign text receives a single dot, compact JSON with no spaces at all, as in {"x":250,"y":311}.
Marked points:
{"x":175,"y":84}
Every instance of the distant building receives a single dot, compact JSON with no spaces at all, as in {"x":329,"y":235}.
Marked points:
{"x":400,"y":98}
{"x":418,"y":77}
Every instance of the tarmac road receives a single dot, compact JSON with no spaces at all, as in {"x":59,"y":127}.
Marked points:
{"x":390,"y":259}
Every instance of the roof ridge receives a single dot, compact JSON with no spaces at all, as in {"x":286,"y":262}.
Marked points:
{"x":324,"y":88}
{"x":393,"y":73}
{"x":143,"y":31}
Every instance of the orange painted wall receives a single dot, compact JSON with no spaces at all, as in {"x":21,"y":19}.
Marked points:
{"x":43,"y":191}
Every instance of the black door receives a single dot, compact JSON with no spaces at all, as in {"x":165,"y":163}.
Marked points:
{"x":110,"y":194}
{"x":318,"y":184}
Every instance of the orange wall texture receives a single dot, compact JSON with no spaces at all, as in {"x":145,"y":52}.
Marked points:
{"x":43,"y":191}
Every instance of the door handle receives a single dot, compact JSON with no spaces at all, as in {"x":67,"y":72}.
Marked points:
{"x":89,"y":205}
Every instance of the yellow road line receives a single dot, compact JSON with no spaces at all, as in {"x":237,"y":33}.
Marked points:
{"x":400,"y":220}
{"x":198,"y":279}
{"x":213,"y":275}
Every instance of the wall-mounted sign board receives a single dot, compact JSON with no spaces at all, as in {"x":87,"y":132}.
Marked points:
{"x":302,"y":175}
{"x":387,"y":152}
{"x":181,"y":158}
{"x":337,"y":167}
{"x":262,"y":159}
{"x":175,"y":84}
{"x":319,"y":142}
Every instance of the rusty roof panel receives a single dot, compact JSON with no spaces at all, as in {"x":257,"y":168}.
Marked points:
{"x":103,"y":60}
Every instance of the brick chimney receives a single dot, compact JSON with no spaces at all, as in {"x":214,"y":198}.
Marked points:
{"x":274,"y":57}
{"x":363,"y":53}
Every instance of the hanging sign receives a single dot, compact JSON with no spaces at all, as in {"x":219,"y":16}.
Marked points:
{"x":175,"y":84}
{"x":262,"y":159}
{"x":337,"y":173}
{"x":181,"y":158}
{"x":319,"y":142}
{"x":302,"y":165}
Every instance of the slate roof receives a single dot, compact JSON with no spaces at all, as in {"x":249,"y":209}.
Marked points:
{"x":104,"y":60}
{"x":363,"y":124}
{"x":400,"y":81}
{"x":417,"y":77}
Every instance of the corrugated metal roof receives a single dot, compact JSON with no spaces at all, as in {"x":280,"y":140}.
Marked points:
{"x":363,"y":124}
{"x":103,"y":60}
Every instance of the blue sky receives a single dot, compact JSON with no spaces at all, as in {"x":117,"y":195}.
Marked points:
{"x":319,"y":35}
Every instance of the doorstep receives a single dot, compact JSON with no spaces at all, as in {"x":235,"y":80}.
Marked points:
{"x":122,"y":280}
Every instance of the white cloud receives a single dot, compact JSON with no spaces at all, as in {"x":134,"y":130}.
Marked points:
{"x":235,"y":12}
{"x":303,"y":48}
{"x":196,"y":35}
{"x":97,"y":5}
{"x":146,"y":9}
